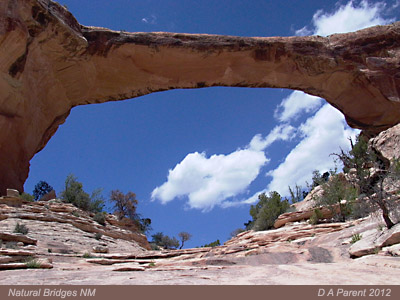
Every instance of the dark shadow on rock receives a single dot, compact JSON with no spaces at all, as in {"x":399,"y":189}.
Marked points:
{"x":320,"y":255}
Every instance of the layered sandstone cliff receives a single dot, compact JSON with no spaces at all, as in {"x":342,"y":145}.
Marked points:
{"x":49,"y":63}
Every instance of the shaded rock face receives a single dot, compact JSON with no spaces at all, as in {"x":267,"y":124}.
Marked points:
{"x":387,"y":143}
{"x":49,"y":63}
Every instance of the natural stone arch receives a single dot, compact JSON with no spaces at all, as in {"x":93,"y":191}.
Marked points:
{"x":50,"y":63}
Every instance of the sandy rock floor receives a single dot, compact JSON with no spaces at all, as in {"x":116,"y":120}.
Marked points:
{"x":367,"y":270}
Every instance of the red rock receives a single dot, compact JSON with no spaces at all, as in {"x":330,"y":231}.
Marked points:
{"x":51,"y":63}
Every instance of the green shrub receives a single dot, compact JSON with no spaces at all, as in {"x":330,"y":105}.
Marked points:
{"x":152,"y":264}
{"x":154,"y":246}
{"x":21,"y":228}
{"x":74,"y":194}
{"x":27,"y":197}
{"x":316,"y":216}
{"x":98,"y":236}
{"x":100,"y":218}
{"x":355,"y":238}
{"x":75,"y":214}
{"x":213,"y":244}
{"x":296,"y":194}
{"x":87,"y":255}
{"x":337,"y":189}
{"x":267,"y":210}
{"x":164,"y":241}
{"x":32,"y":263}
{"x":49,"y":250}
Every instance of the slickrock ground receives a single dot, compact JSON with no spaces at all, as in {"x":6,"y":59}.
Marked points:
{"x":297,"y":253}
{"x":49,"y":63}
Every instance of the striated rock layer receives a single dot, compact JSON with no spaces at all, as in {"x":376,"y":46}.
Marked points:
{"x":49,"y":63}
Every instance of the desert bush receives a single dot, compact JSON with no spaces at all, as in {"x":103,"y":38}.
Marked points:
{"x":21,"y":228}
{"x":154,"y":246}
{"x":100,"y":218}
{"x":74,"y":194}
{"x":316,"y":216}
{"x":164,"y":241}
{"x":296,"y":194}
{"x":88,"y":255}
{"x":32,"y":263}
{"x":27,"y":197}
{"x":213,"y":244}
{"x":355,"y":238}
{"x":124,"y":205}
{"x":337,"y":189}
{"x":374,"y":175}
{"x":169,"y":243}
{"x":152,"y":264}
{"x":184,"y":236}
{"x":267,"y":210}
{"x":318,"y":179}
{"x":98,"y":236}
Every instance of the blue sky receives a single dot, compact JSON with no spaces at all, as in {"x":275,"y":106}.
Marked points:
{"x":197,"y":159}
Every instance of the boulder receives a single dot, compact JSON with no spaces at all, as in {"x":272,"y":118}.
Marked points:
{"x":390,"y":237}
{"x":366,"y":245}
{"x":392,"y":250}
{"x":100,"y":249}
{"x":128,"y":267}
{"x":387,"y":143}
{"x":373,"y":240}
{"x":11,"y":201}
{"x":17,"y":237}
{"x":12,"y":193}
{"x":300,"y":216}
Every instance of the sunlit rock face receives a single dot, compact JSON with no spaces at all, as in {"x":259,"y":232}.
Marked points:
{"x":49,"y":63}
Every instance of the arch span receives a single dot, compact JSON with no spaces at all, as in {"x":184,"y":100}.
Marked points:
{"x":50,"y":63}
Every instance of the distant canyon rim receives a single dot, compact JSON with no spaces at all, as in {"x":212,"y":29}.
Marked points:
{"x":50,"y":63}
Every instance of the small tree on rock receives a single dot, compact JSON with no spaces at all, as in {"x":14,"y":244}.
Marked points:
{"x":267,"y":210}
{"x":184,"y":236}
{"x":74,"y":194}
{"x":124,"y":205}
{"x":41,"y":189}
{"x":377,"y":178}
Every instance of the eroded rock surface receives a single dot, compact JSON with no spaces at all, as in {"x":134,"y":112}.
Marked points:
{"x":297,"y":253}
{"x":49,"y":63}
{"x":57,"y":227}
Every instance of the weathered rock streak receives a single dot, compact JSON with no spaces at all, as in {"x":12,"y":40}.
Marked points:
{"x":49,"y":63}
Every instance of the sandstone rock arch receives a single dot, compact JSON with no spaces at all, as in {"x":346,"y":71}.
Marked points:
{"x":49,"y":63}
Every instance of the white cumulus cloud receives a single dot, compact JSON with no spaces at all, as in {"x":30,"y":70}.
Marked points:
{"x":324,"y":133}
{"x":347,"y":18}
{"x":209,"y":181}
{"x":296,"y":103}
